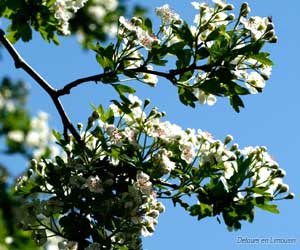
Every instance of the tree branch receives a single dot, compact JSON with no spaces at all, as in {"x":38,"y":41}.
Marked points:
{"x":20,"y":63}
{"x":96,"y":78}
{"x":67,"y":88}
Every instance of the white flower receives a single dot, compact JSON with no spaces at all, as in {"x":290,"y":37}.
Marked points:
{"x":143,"y":183}
{"x":203,"y":98}
{"x":220,"y":3}
{"x":256,"y":25}
{"x":254,"y":80}
{"x":127,"y":25}
{"x":145,"y":39}
{"x":97,"y":12}
{"x":199,"y":6}
{"x":135,"y":100}
{"x":64,"y":11}
{"x":9,"y":240}
{"x":166,"y":131}
{"x":33,"y":139}
{"x":167,"y":15}
{"x":164,"y":161}
{"x":187,"y":151}
{"x":230,"y":168}
{"x":266,"y":70}
{"x":16,"y":135}
{"x":94,"y":184}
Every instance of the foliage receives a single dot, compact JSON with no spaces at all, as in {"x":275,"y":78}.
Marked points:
{"x":95,"y":20}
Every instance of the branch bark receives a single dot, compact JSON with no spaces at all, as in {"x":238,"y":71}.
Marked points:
{"x":21,"y":63}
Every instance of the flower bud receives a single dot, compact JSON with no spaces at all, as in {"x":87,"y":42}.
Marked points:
{"x":90,"y":122}
{"x":153,"y":214}
{"x":136,"y":21}
{"x":146,"y":102}
{"x":80,"y":126}
{"x":234,"y":147}
{"x":273,"y":39}
{"x":280,"y":173}
{"x":245,"y":9}
{"x":263,"y":149}
{"x":33,"y":163}
{"x":290,"y":196}
{"x":160,"y":207}
{"x":269,"y":35}
{"x":95,"y":115}
{"x":29,"y":172}
{"x":228,"y":139}
{"x":229,"y":7}
{"x":230,"y":17}
{"x":178,"y":22}
{"x":270,"y":26}
{"x":168,"y":192}
{"x":283,"y":188}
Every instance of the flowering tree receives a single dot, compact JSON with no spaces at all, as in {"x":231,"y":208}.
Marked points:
{"x":110,"y":174}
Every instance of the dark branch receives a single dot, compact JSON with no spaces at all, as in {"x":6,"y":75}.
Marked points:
{"x":95,"y":78}
{"x":20,"y":63}
{"x":99,"y":77}
{"x":158,"y":73}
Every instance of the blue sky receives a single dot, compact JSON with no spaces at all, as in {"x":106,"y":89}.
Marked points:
{"x":270,"y":119}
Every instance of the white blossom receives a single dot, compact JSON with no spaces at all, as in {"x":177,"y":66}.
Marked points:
{"x":94,"y":184}
{"x":167,"y":15}
{"x":256,"y":25}
{"x":16,"y":136}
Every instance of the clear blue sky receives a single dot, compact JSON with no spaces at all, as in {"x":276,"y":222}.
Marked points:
{"x":270,"y":119}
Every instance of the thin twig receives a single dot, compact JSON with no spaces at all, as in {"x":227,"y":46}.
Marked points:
{"x":20,"y":63}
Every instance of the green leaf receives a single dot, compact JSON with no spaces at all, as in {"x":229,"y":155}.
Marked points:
{"x":239,"y":90}
{"x":201,"y":210}
{"x":213,"y":86}
{"x":14,"y":4}
{"x":186,"y":96}
{"x":217,"y":33}
{"x":262,"y":57}
{"x":236,"y":102}
{"x":184,"y":58}
{"x":156,"y":55}
{"x":122,"y":89}
{"x":105,"y":56}
{"x":269,"y":207}
{"x":184,"y":33}
{"x":57,"y":135}
{"x":109,"y":116}
{"x":123,"y":107}
{"x":176,"y":48}
{"x":148,"y":25}
{"x":202,"y":53}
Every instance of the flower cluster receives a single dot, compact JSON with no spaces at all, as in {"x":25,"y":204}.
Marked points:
{"x":98,"y":10}
{"x":219,"y":55}
{"x":253,"y":71}
{"x":128,"y":160}
{"x":6,"y":104}
{"x":64,"y":10}
{"x":39,"y":137}
{"x":133,"y":32}
{"x":168,"y":15}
